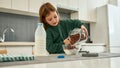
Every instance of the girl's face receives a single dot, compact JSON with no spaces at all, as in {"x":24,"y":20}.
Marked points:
{"x":52,"y":18}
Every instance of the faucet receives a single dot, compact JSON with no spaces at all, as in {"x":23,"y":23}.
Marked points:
{"x":2,"y":39}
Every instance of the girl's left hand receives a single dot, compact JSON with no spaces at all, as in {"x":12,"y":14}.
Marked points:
{"x":85,"y":30}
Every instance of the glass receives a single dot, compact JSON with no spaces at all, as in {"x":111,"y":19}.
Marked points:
{"x":76,"y":37}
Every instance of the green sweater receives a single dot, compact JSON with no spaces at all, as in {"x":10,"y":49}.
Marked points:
{"x":57,"y":34}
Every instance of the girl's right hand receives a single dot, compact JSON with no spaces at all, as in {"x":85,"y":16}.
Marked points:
{"x":67,"y":41}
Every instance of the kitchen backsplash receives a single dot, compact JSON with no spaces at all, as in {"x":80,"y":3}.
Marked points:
{"x":24,"y":26}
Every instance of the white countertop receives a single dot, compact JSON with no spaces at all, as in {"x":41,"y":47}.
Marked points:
{"x":93,"y":44}
{"x":33,"y":43}
{"x":67,"y":58}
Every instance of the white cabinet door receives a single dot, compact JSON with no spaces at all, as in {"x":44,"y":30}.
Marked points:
{"x":101,"y":2}
{"x":87,"y":9}
{"x":83,"y":10}
{"x":73,"y":3}
{"x":92,"y":9}
{"x":20,"y":5}
{"x":18,"y":50}
{"x":34,"y":5}
{"x":2,"y":47}
{"x":114,"y":2}
{"x":75,"y":6}
{"x":3,"y":50}
{"x":92,"y":5}
{"x":115,"y":49}
{"x":5,"y":3}
{"x":62,"y":2}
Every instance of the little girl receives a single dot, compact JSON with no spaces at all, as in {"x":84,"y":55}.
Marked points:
{"x":57,"y":30}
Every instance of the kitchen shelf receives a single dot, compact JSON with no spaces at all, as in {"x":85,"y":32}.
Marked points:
{"x":17,"y":43}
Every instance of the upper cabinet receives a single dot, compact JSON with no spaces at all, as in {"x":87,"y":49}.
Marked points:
{"x":115,"y":2}
{"x":87,"y":9}
{"x":34,"y":5}
{"x":15,"y":4}
{"x":20,"y":5}
{"x":62,"y":2}
{"x":82,"y":15}
{"x":73,"y":3}
{"x":79,"y":9}
{"x":91,"y":10}
{"x":68,"y":4}
{"x":5,"y":3}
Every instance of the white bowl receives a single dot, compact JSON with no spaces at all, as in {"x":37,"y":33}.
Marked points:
{"x":70,"y":51}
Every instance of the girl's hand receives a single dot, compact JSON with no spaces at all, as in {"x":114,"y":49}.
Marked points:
{"x":67,"y":41}
{"x":85,"y":30}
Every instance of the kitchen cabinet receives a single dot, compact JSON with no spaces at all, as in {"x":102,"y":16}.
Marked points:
{"x":82,"y":15}
{"x":3,"y":50}
{"x":75,"y":6}
{"x":114,"y":2}
{"x":115,"y":49}
{"x":92,"y":5}
{"x":91,"y":10}
{"x":5,"y":3}
{"x":62,"y":2}
{"x":68,"y":4}
{"x":34,"y":5}
{"x":18,"y":48}
{"x":2,"y":47}
{"x":87,"y":9}
{"x":73,"y":3}
{"x":15,"y":4}
{"x":20,"y":5}
{"x":31,"y":7}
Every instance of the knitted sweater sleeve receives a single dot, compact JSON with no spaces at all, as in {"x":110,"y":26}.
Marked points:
{"x":53,"y":47}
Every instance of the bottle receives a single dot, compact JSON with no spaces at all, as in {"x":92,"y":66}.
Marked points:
{"x":40,"y":41}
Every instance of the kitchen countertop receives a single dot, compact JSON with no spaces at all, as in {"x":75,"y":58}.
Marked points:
{"x":93,"y":44}
{"x":33,"y":43}
{"x":54,"y":58}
